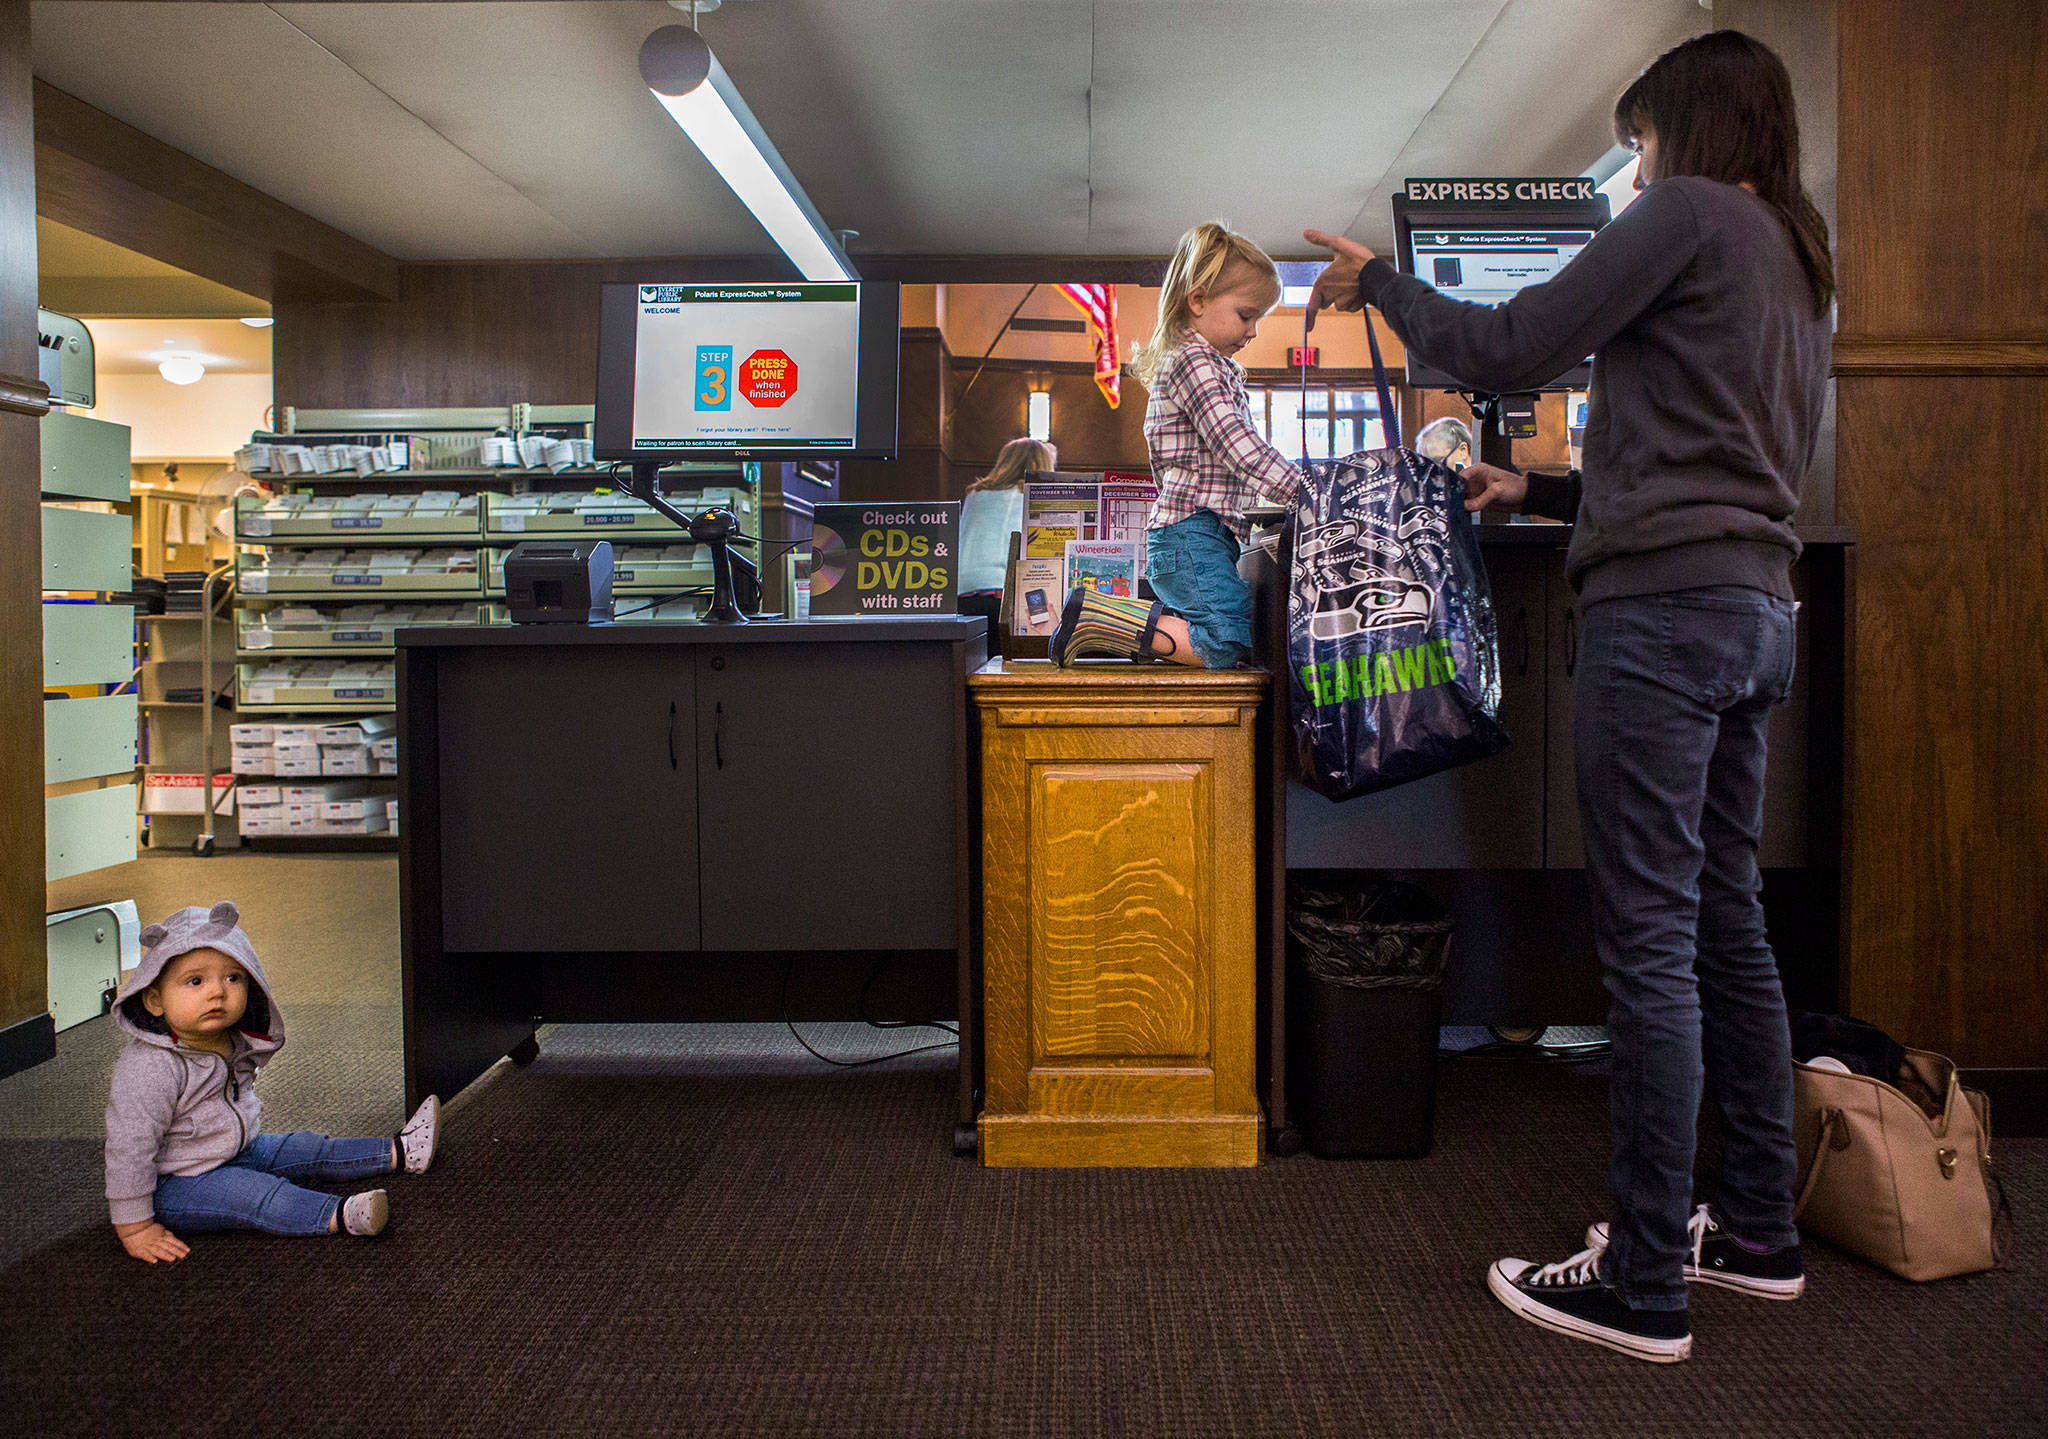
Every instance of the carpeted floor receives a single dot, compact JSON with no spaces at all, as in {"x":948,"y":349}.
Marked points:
{"x":702,"y":1230}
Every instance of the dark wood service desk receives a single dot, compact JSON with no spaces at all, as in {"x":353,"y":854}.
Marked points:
{"x":662,"y":822}
{"x":1498,"y":842}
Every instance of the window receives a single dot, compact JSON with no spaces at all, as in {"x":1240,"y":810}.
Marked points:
{"x":1337,"y":421}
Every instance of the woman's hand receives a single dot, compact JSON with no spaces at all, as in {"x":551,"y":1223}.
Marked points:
{"x":1337,"y":287}
{"x":150,"y":1241}
{"x":1489,"y":487}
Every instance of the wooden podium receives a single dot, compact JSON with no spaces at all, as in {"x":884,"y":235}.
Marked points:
{"x":1119,"y":945}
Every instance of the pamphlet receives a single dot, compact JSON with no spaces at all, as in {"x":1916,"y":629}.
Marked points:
{"x":1127,"y":498}
{"x":1109,"y":567}
{"x":1041,"y":591}
{"x":1059,"y":508}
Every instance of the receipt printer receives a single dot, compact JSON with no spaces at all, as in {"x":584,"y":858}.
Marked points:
{"x":559,"y":582}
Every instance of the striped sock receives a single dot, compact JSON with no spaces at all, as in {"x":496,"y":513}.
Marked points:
{"x":1099,"y":624}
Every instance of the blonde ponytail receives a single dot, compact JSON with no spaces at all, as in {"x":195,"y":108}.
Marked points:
{"x":1201,"y":261}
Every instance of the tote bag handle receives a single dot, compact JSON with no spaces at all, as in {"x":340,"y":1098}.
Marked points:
{"x":1390,"y":418}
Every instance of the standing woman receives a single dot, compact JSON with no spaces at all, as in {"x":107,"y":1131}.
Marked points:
{"x":1705,"y":308}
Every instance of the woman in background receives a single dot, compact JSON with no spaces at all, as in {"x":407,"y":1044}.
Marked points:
{"x":992,"y":512}
{"x":1446,"y":441}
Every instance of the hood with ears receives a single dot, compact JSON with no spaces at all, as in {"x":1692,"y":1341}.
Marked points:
{"x":189,"y":929}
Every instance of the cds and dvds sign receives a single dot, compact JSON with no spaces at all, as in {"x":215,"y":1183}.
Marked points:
{"x":885,"y":559}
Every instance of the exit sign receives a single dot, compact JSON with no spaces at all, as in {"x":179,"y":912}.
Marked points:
{"x":1308,"y":355}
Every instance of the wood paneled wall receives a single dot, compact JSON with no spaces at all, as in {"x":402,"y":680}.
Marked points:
{"x":1942,"y":366}
{"x":24,"y":972}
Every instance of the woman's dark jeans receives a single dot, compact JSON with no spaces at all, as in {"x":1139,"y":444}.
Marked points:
{"x":1673,"y":696}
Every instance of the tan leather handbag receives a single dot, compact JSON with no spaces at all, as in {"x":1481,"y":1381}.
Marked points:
{"x":1899,"y":1175}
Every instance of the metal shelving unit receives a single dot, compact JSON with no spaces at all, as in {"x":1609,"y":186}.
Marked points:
{"x":318,"y":573}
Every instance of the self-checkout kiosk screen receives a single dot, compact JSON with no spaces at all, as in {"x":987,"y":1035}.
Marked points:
{"x":1488,"y":266}
{"x":721,"y":367}
{"x":1488,"y":251}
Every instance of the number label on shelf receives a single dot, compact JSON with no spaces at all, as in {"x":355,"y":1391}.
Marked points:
{"x":257,"y":639}
{"x":255,"y":525}
{"x":262,"y":694}
{"x":356,"y":522}
{"x":512,"y":524}
{"x":340,"y":580}
{"x":362,"y":637}
{"x":362,"y":694}
{"x":254,"y":583}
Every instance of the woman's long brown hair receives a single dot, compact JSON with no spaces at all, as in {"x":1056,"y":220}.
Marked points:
{"x":1721,"y":107}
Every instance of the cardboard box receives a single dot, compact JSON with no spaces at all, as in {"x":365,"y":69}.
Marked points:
{"x":259,"y":796}
{"x":345,"y":759}
{"x":262,"y":820}
{"x":385,"y":748}
{"x":306,"y":734}
{"x":319,"y":794}
{"x":386,"y":766}
{"x":253,"y":759}
{"x":299,"y":768}
{"x":250,"y":734}
{"x":289,"y":750}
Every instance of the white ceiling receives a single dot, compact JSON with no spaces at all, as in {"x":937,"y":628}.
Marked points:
{"x":136,"y":347}
{"x":1104,"y":127}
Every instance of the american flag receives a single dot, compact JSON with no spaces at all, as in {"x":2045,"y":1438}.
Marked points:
{"x":1098,"y":303}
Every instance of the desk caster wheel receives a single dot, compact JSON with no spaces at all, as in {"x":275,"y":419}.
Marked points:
{"x":966,"y":1140}
{"x":1518,"y":1034}
{"x":1285,"y":1142}
{"x":525,"y":1052}
{"x":203,"y":846}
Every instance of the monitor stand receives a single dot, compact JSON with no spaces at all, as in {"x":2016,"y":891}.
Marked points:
{"x":714,"y":528}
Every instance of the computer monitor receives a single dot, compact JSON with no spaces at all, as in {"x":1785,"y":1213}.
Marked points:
{"x":1486,"y":253}
{"x":746,"y":371}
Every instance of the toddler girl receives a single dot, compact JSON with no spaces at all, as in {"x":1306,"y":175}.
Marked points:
{"x":182,"y":1141}
{"x":1210,"y":463}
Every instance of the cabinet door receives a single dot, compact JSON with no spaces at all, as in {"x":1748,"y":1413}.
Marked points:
{"x":1487,"y":815}
{"x":1783,"y":843}
{"x":568,"y":819}
{"x":829,"y":782}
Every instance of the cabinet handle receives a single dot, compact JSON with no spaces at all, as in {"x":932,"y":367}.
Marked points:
{"x":718,"y":733}
{"x":1571,"y":640}
{"x":672,"y":735}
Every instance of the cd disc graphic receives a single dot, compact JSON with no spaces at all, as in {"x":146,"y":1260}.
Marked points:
{"x":829,"y":559}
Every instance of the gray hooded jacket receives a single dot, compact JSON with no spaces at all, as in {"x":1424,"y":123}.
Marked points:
{"x":174,"y":1110}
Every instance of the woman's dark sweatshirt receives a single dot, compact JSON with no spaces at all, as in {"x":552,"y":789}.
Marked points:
{"x":1709,"y":372}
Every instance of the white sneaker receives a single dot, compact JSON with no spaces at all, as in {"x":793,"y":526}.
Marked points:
{"x":421,"y":1134}
{"x":1718,"y":1259}
{"x":365,"y":1213}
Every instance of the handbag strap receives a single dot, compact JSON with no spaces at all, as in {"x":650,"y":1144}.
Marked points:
{"x":1829,"y":1118}
{"x":1390,"y":418}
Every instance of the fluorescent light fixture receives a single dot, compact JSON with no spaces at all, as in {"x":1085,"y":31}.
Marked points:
{"x":700,"y":97}
{"x":258,"y":322}
{"x":181,"y":369}
{"x":1038,"y":416}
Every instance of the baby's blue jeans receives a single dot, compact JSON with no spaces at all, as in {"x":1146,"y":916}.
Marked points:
{"x":254,"y":1190}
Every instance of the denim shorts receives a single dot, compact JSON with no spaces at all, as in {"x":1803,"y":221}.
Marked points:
{"x":1192,"y":564}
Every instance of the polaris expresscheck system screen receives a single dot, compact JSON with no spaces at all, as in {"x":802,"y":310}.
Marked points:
{"x":1489,"y":266}
{"x":737,"y":367}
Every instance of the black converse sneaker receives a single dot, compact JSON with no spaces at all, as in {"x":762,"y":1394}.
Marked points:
{"x":1718,"y":1257}
{"x":1569,"y":1297}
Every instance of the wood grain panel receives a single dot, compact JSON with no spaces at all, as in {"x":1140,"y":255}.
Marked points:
{"x":1119,"y":950}
{"x":23,"y":968}
{"x":1943,"y":169}
{"x":1930,"y":355}
{"x":1117,"y":875}
{"x":1948,"y":786}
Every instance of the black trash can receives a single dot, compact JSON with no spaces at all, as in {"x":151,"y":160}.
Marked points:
{"x":1369,"y":968}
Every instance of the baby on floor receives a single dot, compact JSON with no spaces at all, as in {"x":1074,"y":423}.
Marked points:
{"x":184,"y":1148}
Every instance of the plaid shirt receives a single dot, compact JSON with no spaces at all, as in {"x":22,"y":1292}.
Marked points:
{"x":1205,"y":453}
